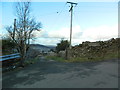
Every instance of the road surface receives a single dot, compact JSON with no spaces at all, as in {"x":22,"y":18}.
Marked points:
{"x":51,"y":74}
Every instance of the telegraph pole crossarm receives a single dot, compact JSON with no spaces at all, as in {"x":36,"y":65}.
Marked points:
{"x":72,"y":3}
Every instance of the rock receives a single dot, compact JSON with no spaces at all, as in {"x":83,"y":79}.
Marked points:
{"x":62,"y":54}
{"x":52,"y":54}
{"x":32,"y":53}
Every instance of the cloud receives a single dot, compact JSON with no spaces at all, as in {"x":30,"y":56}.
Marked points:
{"x":39,"y":34}
{"x":65,"y":32}
{"x":0,"y":26}
{"x":61,"y":33}
{"x":54,"y":36}
{"x":104,"y":32}
{"x":100,"y":33}
{"x":97,"y":33}
{"x":46,"y":41}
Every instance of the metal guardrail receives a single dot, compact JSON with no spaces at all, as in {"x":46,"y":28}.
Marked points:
{"x":9,"y":57}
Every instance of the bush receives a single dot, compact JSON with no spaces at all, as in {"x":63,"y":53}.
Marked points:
{"x":62,"y":45}
{"x":8,"y":46}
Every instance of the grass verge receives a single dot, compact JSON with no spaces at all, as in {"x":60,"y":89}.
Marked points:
{"x":31,"y":61}
{"x":56,"y":58}
{"x":94,"y":58}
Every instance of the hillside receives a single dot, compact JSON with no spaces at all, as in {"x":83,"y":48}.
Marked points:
{"x":37,"y":49}
{"x":40,"y":47}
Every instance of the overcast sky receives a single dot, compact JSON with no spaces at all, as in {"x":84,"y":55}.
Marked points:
{"x":92,"y":21}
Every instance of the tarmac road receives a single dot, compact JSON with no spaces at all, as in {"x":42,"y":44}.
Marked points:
{"x":51,"y":74}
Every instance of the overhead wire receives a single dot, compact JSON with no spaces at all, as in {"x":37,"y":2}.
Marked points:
{"x":46,"y":14}
{"x":62,"y":9}
{"x":55,"y":12}
{"x":77,"y":6}
{"x":58,"y":14}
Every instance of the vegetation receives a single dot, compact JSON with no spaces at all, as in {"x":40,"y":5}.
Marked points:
{"x":63,"y":45}
{"x":8,"y":46}
{"x":56,"y":58}
{"x":106,"y":50}
{"x":31,"y":61}
{"x":84,"y":59}
{"x":21,"y":32}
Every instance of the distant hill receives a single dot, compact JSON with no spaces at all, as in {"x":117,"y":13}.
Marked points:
{"x":51,"y":47}
{"x":41,"y":47}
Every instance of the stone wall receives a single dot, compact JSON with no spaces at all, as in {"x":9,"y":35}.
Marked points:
{"x":99,"y":48}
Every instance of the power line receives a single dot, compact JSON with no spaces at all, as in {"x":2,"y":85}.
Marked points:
{"x":47,"y":14}
{"x":55,"y":12}
{"x":60,"y":16}
{"x":62,"y":9}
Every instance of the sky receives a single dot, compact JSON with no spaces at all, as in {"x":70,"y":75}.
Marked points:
{"x":92,"y":21}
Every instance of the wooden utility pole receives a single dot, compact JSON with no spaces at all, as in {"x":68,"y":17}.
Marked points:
{"x":71,"y":10}
{"x":14,"y":28}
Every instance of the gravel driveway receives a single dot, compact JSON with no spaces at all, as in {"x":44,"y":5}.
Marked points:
{"x":51,"y":74}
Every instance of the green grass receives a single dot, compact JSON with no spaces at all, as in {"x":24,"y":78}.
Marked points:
{"x":31,"y":61}
{"x":56,"y":58}
{"x":94,"y":58}
{"x":111,"y":55}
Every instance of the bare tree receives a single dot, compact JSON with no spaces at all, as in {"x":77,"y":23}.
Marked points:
{"x":21,"y":31}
